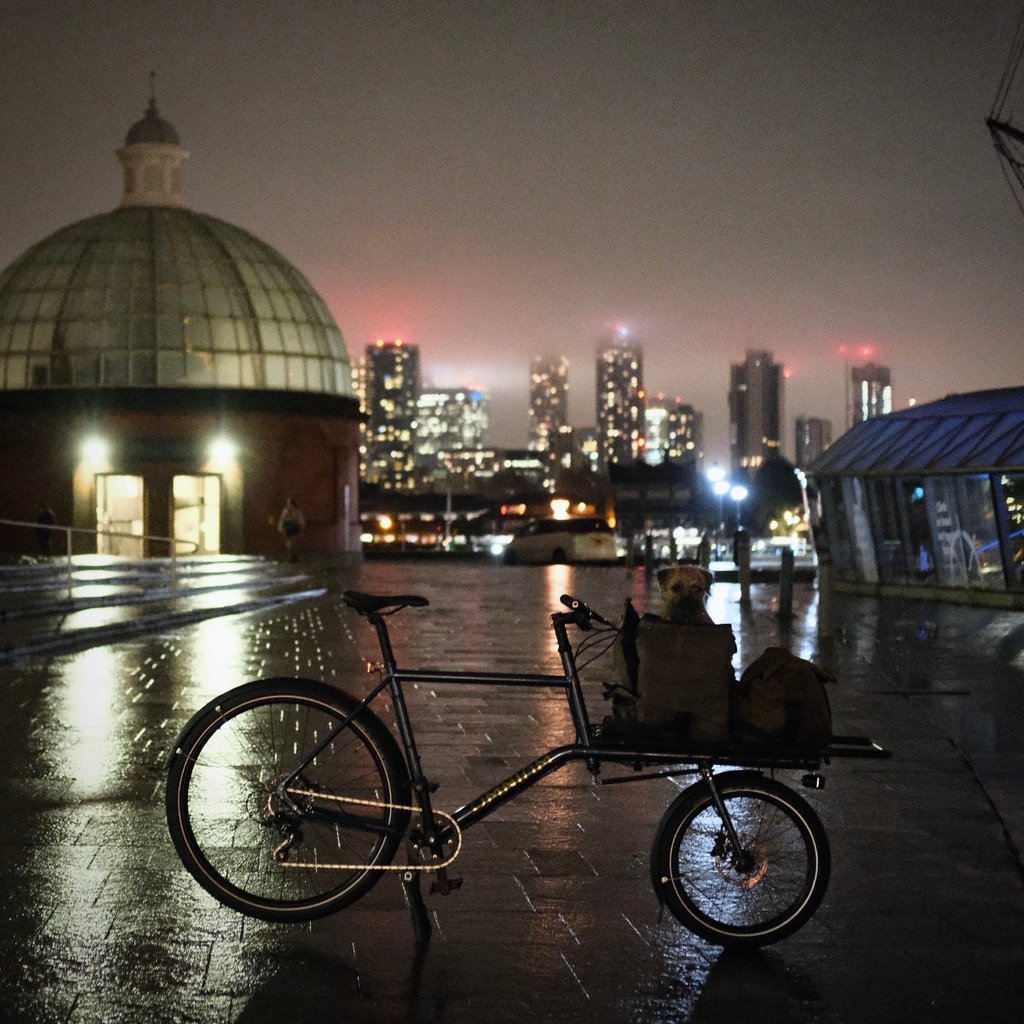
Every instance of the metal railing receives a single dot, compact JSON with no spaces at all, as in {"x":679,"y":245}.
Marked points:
{"x":69,"y":531}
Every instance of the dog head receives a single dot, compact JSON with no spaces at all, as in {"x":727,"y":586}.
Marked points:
{"x":684,"y":589}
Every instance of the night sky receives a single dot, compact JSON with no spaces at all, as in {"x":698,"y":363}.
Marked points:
{"x":497,"y":180}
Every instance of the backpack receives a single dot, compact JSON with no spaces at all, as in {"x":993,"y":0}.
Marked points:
{"x":781,"y":699}
{"x":674,"y":680}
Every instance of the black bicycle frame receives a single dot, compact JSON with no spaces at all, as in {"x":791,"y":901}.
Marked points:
{"x":507,"y":789}
{"x":393,"y":679}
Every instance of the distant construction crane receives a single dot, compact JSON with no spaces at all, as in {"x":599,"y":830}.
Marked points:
{"x":1008,"y":138}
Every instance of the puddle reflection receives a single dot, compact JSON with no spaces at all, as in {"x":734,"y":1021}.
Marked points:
{"x":88,"y":700}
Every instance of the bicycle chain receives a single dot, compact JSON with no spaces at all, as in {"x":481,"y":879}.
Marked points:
{"x":369,"y":867}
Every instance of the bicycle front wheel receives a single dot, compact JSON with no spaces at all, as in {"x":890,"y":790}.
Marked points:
{"x":753,"y":893}
{"x":295,"y":852}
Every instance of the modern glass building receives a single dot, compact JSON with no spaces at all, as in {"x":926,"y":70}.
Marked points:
{"x":870,"y":392}
{"x":755,"y":409}
{"x":391,"y":391}
{"x":813,"y":436}
{"x":448,"y":420}
{"x":674,"y":431}
{"x":620,"y":401}
{"x":165,"y":373}
{"x":930,"y":499}
{"x":549,"y":400}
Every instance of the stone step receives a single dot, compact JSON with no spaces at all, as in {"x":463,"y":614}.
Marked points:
{"x":48,"y":607}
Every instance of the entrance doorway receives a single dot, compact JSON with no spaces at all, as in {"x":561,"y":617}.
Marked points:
{"x":197,"y":513}
{"x":119,"y":515}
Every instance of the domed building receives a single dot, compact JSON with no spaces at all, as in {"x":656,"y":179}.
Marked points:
{"x":167,"y":374}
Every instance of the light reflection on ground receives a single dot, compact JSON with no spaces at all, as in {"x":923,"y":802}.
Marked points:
{"x":86,"y":707}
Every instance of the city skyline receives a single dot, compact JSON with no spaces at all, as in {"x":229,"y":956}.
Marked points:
{"x":498,"y":182}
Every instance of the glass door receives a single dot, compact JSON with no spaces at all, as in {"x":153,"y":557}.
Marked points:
{"x":197,"y":514}
{"x":120,"y":516}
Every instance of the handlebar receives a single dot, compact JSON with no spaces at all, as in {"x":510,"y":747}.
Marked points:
{"x":582,"y":614}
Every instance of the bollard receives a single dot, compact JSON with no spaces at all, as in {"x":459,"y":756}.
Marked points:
{"x":742,"y":559}
{"x":704,"y":553}
{"x":786,"y":584}
{"x":649,"y":552}
{"x":824,"y":594}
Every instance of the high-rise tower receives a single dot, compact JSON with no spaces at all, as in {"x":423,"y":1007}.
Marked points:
{"x":755,"y":409}
{"x":392,"y":383}
{"x":448,"y":420}
{"x":870,"y":392}
{"x":549,"y":400}
{"x":549,"y":413}
{"x":674,"y":431}
{"x":620,"y":401}
{"x":813,"y":436}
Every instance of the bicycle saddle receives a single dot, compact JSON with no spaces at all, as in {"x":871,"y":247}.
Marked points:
{"x":367,"y":604}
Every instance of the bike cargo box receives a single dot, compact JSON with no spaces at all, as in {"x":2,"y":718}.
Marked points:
{"x":679,"y":677}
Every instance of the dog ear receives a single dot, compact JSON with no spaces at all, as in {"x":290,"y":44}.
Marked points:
{"x":663,"y":574}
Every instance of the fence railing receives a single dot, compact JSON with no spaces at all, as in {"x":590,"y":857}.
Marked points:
{"x":69,"y":532}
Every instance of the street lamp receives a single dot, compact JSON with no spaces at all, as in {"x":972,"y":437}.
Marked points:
{"x":716,"y":477}
{"x":738,"y":493}
{"x":223,"y":452}
{"x":95,"y":451}
{"x":722,"y":488}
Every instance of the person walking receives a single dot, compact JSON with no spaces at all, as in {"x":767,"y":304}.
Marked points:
{"x":44,"y":533}
{"x":290,"y":524}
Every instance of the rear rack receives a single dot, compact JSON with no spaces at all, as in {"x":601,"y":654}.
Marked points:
{"x":700,"y":756}
{"x":854,"y":746}
{"x":739,"y":753}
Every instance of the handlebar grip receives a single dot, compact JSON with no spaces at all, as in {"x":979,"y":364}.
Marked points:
{"x":576,"y":605}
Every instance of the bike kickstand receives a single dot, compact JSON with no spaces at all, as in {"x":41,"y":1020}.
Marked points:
{"x":417,"y":908}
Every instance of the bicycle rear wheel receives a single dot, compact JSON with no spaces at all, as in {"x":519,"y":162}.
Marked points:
{"x":751,"y":896}
{"x":292,"y":855}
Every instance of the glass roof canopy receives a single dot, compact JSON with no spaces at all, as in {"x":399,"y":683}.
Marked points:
{"x":975,"y":432}
{"x":164,"y":297}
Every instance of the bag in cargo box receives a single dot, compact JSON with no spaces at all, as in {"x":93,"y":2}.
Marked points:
{"x":781,"y":699}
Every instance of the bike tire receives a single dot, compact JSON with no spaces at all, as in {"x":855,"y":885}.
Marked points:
{"x":225,"y":821}
{"x":729,"y":901}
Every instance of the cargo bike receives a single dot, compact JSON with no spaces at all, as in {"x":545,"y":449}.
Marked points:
{"x":288,"y":799}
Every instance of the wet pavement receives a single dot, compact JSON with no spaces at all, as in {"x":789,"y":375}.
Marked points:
{"x":556,"y":920}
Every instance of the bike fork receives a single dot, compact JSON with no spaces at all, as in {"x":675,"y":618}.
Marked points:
{"x":723,"y":812}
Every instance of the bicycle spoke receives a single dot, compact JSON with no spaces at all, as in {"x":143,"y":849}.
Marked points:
{"x":248,"y":835}
{"x":746,"y":894}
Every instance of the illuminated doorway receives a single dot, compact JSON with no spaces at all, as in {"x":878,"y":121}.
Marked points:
{"x":197,"y":514}
{"x":119,"y":515}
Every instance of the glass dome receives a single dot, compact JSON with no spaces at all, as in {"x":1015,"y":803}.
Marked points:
{"x":164,"y":297}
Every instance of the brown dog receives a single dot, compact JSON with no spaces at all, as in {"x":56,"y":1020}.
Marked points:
{"x":684,"y":589}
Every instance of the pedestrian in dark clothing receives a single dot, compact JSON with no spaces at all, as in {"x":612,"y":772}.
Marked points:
{"x":290,"y":524}
{"x":44,"y":533}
